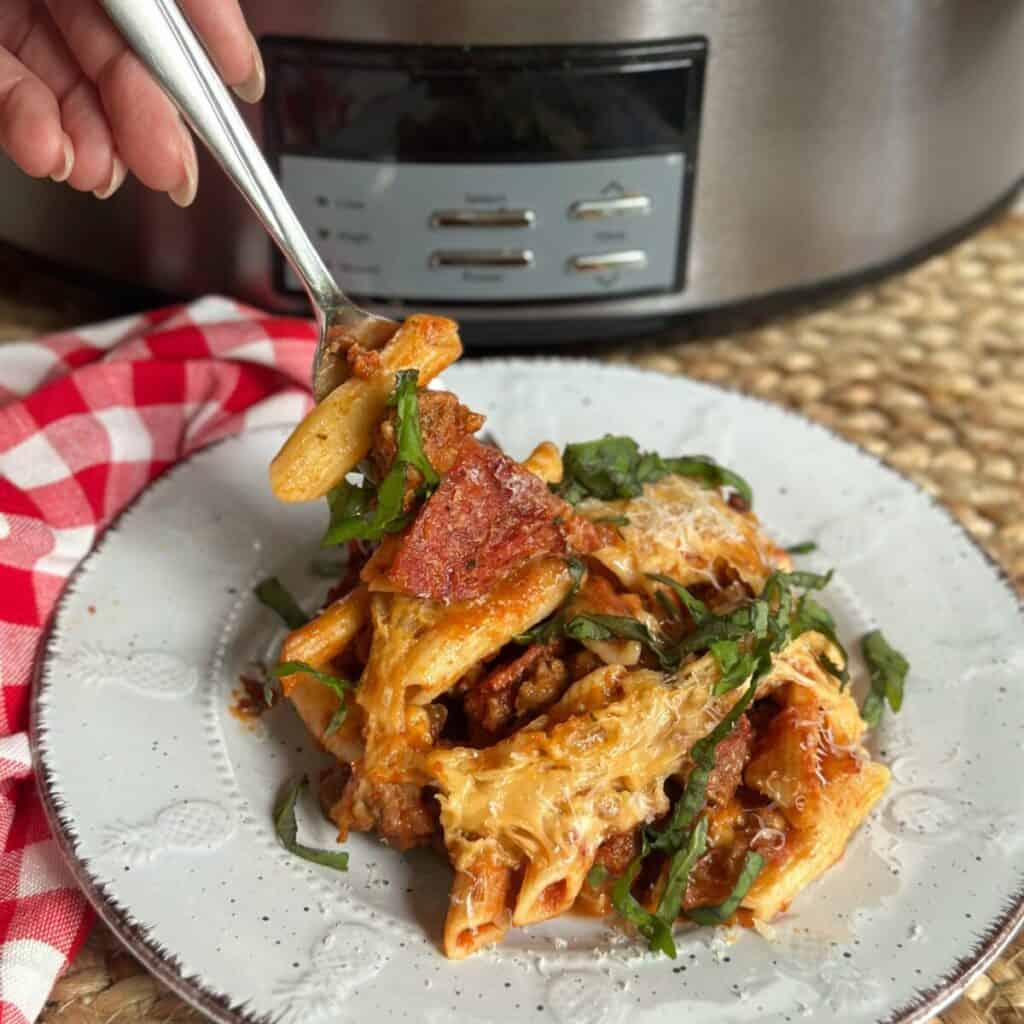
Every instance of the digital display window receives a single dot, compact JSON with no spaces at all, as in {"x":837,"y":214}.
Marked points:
{"x":454,"y":107}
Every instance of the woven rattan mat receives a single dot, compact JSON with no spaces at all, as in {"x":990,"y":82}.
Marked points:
{"x":925,"y":369}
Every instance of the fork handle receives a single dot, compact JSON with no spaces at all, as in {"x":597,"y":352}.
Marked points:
{"x":162,"y":38}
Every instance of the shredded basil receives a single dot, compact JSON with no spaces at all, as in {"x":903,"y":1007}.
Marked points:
{"x":352,"y":512}
{"x":605,"y":469}
{"x":287,"y":830}
{"x":698,"y":609}
{"x":679,"y":869}
{"x":577,"y":570}
{"x":741,"y":640}
{"x":670,"y":610}
{"x":809,"y":616}
{"x":742,"y":643}
{"x":735,"y":665}
{"x":771,"y":622}
{"x":808,"y":580}
{"x":710,"y":474}
{"x":655,"y":929}
{"x":702,"y":753}
{"x":336,"y":684}
{"x":834,"y":670}
{"x":803,"y":548}
{"x":612,"y":520}
{"x":734,"y":626}
{"x":779,"y":598}
{"x":337,"y":720}
{"x":680,"y":838}
{"x":407,"y":422}
{"x":544,"y":632}
{"x":767,"y":623}
{"x":554,"y":625}
{"x":276,"y":596}
{"x":888,"y":670}
{"x":759,"y":620}
{"x":752,"y":865}
{"x":354,"y":516}
{"x":364,"y":511}
{"x":587,"y":626}
{"x":614,"y":468}
{"x":727,"y":653}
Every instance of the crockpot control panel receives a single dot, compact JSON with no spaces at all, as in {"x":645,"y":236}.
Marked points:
{"x":489,"y":175}
{"x":498,"y":231}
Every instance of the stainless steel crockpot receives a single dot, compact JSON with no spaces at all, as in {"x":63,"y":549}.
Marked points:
{"x":545,"y":169}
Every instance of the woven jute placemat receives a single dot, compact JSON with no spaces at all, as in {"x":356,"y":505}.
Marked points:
{"x":925,"y":369}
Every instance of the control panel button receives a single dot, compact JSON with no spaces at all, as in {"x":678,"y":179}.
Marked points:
{"x":483,"y":219}
{"x":606,"y":262}
{"x":612,"y":206}
{"x":505,"y":259}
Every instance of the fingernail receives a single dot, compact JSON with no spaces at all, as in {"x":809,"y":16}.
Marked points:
{"x":69,"y":162}
{"x":117,"y":176}
{"x":185,"y":193}
{"x":252,"y":89}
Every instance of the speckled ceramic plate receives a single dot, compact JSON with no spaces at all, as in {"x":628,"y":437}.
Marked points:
{"x":162,"y":798}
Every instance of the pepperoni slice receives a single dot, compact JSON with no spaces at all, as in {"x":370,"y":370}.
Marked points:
{"x":488,"y":516}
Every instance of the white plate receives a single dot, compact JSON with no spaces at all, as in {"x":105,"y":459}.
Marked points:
{"x":162,"y":798}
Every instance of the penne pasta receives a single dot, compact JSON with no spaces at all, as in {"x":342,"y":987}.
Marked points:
{"x":788,"y":768}
{"x":610,"y":742}
{"x":399,"y":624}
{"x":619,"y":673}
{"x":422,"y":648}
{"x":550,"y":886}
{"x":318,"y":643}
{"x":478,"y":912}
{"x":545,"y":461}
{"x":338,"y":432}
{"x":533,"y":795}
{"x":471,"y":633}
{"x":813,"y":850}
{"x":325,"y":637}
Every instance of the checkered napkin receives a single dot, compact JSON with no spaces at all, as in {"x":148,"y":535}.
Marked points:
{"x":87,"y":419}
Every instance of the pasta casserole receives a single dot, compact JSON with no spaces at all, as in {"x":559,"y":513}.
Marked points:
{"x":590,"y":679}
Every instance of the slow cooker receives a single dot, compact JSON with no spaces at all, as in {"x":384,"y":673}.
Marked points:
{"x":552,"y":168}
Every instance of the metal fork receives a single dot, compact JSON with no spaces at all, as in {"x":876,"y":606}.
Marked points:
{"x":163,"y":40}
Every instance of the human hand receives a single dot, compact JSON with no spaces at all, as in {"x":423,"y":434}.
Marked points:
{"x":77,"y":106}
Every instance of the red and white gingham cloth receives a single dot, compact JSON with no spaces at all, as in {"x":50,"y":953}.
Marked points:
{"x":87,"y":419}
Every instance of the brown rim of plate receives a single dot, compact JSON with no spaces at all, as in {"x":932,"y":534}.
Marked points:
{"x":169,"y":970}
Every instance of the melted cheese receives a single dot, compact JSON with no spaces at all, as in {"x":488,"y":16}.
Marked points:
{"x":596,"y":764}
{"x":556,"y":792}
{"x":420,"y":649}
{"x":686,"y":531}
